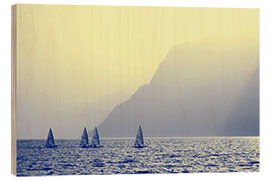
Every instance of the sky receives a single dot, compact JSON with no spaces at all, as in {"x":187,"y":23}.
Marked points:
{"x":76,"y":63}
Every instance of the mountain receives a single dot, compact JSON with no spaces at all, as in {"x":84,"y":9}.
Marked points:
{"x":210,"y":88}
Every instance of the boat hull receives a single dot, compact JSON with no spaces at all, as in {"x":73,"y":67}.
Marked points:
{"x":90,"y":146}
{"x":96,"y":146}
{"x":84,"y":146}
{"x":51,"y":146}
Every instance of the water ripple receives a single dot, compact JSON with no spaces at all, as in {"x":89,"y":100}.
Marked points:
{"x":175,"y":155}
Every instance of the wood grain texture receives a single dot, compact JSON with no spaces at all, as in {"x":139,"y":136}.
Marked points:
{"x":73,"y":66}
{"x":13,"y":87}
{"x":77,"y":62}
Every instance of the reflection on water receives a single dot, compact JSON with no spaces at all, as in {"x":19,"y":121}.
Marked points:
{"x":165,"y":155}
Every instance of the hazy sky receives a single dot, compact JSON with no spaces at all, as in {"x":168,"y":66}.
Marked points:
{"x":72,"y":57}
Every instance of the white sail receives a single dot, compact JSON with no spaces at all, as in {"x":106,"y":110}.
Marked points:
{"x":50,"y":140}
{"x":95,"y":138}
{"x":139,"y":138}
{"x":84,"y":140}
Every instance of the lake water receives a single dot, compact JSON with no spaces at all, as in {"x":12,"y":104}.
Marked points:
{"x":117,"y":156}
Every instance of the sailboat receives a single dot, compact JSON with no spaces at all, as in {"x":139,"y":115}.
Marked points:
{"x":139,"y":139}
{"x":95,"y":143}
{"x":50,"y":140}
{"x":84,"y":141}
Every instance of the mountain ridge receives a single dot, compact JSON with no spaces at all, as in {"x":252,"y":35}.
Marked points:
{"x":192,"y":93}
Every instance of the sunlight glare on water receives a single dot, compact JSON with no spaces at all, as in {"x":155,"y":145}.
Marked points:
{"x":162,"y":155}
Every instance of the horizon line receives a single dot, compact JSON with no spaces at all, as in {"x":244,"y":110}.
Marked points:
{"x":175,"y":137}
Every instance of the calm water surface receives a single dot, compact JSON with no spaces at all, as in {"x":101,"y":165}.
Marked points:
{"x":164,"y":155}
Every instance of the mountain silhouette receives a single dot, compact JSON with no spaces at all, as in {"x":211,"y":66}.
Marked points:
{"x":210,"y":88}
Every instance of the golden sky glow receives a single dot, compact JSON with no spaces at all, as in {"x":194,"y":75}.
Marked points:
{"x":79,"y":54}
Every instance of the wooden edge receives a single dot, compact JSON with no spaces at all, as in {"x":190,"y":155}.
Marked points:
{"x":13,"y":87}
